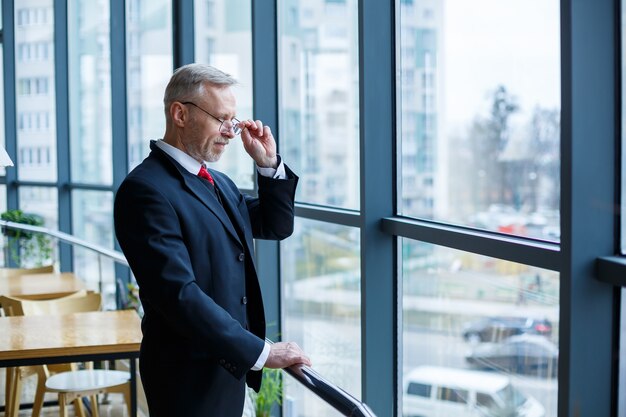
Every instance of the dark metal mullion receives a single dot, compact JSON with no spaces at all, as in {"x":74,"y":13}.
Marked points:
{"x":183,"y":32}
{"x":379,"y":296}
{"x":516,"y":249}
{"x":62,"y":129}
{"x":265,"y":107}
{"x":10,"y":107}
{"x":10,"y":102}
{"x":619,"y":373}
{"x":588,"y":136}
{"x":68,"y":185}
{"x":328,"y":215}
{"x":119,"y":111}
{"x":90,"y":187}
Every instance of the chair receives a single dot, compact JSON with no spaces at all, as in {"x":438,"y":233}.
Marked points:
{"x":92,"y":382}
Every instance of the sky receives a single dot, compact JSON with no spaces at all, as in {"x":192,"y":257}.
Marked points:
{"x":486,"y":43}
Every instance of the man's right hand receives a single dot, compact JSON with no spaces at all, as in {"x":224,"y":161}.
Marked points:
{"x":285,"y":354}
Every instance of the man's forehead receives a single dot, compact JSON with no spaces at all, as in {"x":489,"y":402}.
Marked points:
{"x":219,"y":97}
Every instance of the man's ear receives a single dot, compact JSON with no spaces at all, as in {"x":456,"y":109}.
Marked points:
{"x":179,"y":114}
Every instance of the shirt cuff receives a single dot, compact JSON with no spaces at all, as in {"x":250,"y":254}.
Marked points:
{"x":278,"y":173}
{"x":260,"y":363}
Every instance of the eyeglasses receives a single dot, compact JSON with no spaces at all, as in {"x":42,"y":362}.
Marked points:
{"x":226,"y":126}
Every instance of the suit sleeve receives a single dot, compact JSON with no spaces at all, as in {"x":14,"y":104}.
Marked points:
{"x":272,"y":213}
{"x":149,"y":233}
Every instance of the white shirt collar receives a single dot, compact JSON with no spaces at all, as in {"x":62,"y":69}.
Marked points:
{"x":179,"y":156}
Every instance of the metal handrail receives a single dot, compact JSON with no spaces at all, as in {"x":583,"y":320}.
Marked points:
{"x":101,"y":251}
{"x":330,"y":393}
{"x":115,"y":255}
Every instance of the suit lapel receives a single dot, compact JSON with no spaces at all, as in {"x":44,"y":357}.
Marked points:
{"x":210,"y":200}
{"x":195,"y":186}
{"x":230,"y":201}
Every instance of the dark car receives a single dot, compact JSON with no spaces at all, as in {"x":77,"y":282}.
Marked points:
{"x":523,"y":354}
{"x":495,"y":329}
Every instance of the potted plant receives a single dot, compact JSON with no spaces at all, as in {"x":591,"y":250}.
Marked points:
{"x":27,"y":249}
{"x":271,"y":392}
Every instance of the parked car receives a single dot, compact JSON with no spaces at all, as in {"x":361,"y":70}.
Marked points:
{"x":495,"y":329}
{"x":523,"y":354}
{"x":435,"y":391}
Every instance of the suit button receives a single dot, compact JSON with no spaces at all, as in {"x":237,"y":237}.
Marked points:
{"x":241,"y":257}
{"x":233,"y":369}
{"x":244,"y":300}
{"x":222,"y":361}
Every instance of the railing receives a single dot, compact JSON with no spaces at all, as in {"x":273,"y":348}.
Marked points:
{"x":67,"y":238}
{"x":333,"y":395}
{"x":116,"y":256}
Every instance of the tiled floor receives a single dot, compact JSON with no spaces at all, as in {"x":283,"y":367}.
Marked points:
{"x":116,"y":408}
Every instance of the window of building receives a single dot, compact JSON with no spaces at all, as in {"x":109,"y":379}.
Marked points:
{"x":498,"y":158}
{"x":214,"y":45}
{"x":90,"y":95}
{"x":326,"y":69}
{"x":321,"y":305}
{"x":149,"y":67}
{"x":35,"y":87}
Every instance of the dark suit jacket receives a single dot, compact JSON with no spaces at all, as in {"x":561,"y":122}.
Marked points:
{"x":194,"y":266}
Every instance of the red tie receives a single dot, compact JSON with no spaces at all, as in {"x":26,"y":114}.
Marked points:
{"x":205,"y":174}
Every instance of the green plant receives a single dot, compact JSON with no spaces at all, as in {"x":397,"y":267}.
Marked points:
{"x":26,"y":248}
{"x":271,"y":392}
{"x":133,"y":298}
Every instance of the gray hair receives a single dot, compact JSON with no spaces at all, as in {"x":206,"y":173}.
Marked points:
{"x":189,"y":81}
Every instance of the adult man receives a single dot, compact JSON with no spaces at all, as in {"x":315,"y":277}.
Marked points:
{"x":187,"y":234}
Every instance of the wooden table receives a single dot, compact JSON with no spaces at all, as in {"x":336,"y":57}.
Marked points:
{"x":77,"y":337}
{"x":41,"y":286}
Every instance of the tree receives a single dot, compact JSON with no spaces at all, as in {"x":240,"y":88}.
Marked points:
{"x":488,"y":139}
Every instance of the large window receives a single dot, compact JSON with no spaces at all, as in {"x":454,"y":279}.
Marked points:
{"x":479,"y":109}
{"x":92,"y":222}
{"x":35,"y":92}
{"x":90,"y":92}
{"x":148,"y":69}
{"x":223,"y":38}
{"x":498,"y":319}
{"x":458,"y":176}
{"x":321,"y":306}
{"x":319,"y":99}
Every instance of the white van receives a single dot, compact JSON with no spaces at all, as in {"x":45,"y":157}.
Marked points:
{"x":432,"y":391}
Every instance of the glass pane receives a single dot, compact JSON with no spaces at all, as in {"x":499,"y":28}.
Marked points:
{"x":477,"y":330}
{"x":42,"y":202}
{"x":149,"y":67}
{"x":90,"y":92}
{"x":480,"y":114}
{"x":319,"y":99}
{"x":92,"y":222}
{"x":219,"y":26}
{"x":321,"y":306}
{"x":35,"y":93}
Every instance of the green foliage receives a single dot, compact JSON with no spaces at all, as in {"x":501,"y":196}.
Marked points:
{"x":271,"y":392}
{"x":133,"y":298}
{"x":27,"y":249}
